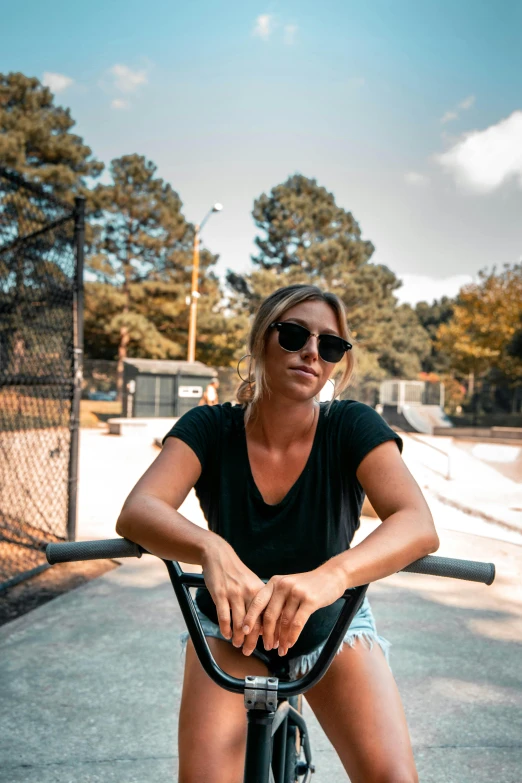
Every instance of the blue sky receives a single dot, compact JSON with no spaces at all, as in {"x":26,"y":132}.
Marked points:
{"x":410,"y":113}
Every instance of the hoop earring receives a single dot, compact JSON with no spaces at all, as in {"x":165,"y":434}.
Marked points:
{"x":245,"y":380}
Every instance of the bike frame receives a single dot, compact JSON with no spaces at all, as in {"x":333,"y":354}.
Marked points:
{"x":269,"y":712}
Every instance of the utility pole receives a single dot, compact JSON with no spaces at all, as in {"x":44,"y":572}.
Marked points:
{"x":194,"y":296}
{"x":194,"y":293}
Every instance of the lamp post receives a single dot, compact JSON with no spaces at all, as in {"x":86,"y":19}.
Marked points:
{"x":194,"y":293}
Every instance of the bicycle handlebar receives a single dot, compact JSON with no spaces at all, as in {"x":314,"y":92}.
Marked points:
{"x":121,"y":547}
{"x":470,"y":570}
{"x":92,"y":550}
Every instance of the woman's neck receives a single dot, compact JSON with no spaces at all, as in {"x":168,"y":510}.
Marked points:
{"x":279,"y":423}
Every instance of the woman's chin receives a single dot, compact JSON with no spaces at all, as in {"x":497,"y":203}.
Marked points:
{"x":298,"y":393}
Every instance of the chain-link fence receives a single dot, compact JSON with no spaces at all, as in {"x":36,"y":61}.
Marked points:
{"x":41,"y":259}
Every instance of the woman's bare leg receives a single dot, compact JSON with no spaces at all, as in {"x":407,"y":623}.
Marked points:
{"x":359,"y":707}
{"x":212,"y":721}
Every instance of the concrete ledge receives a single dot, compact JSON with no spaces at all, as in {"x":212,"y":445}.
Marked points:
{"x":125,"y":426}
{"x":153,"y":428}
{"x":497,"y":434}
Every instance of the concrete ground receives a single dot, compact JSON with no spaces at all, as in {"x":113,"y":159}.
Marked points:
{"x":483,"y":478}
{"x":90,"y":682}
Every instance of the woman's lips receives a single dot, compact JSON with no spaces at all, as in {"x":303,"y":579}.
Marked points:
{"x":303,"y":373}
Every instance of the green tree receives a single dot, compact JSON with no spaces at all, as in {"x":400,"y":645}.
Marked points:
{"x":308,"y":238}
{"x":431,"y":316}
{"x":481,"y":334}
{"x":36,"y":138}
{"x":142,"y":259}
{"x":36,"y":142}
{"x":158,"y":322}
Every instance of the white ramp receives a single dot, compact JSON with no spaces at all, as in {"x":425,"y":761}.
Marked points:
{"x":423,"y":418}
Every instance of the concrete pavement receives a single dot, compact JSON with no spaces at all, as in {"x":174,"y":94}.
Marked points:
{"x":90,"y":682}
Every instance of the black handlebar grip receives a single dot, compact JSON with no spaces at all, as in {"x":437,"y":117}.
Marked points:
{"x":92,"y":550}
{"x":471,"y":570}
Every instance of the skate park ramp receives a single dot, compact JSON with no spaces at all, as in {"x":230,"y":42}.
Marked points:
{"x":416,"y":418}
{"x":505,"y":459}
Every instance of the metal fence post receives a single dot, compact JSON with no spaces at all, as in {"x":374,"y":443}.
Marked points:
{"x":79,"y":241}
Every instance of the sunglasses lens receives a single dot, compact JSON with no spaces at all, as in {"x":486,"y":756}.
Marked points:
{"x":292,"y":337}
{"x":331,"y":348}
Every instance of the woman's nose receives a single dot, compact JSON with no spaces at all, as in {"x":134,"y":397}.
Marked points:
{"x":311,"y":347}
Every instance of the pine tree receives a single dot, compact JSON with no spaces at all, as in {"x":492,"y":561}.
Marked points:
{"x":142,"y":259}
{"x":308,"y":238}
{"x":36,"y":138}
{"x":36,"y":141}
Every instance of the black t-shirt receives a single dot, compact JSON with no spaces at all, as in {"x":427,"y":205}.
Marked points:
{"x":315,"y":520}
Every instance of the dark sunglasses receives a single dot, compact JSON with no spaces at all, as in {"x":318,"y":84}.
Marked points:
{"x":293,"y":337}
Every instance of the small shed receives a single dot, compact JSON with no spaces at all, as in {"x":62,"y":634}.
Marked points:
{"x":163,"y":388}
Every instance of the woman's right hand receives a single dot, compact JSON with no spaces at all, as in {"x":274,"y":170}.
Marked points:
{"x":232,"y":586}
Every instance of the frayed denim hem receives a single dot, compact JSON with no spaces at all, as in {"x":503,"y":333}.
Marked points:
{"x":183,"y":639}
{"x":301,"y":665}
{"x":363,"y":628}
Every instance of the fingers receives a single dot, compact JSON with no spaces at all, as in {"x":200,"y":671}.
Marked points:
{"x":238,"y":612}
{"x":277,"y":634}
{"x":223,"y":614}
{"x":272,"y":612}
{"x":292,"y":628}
{"x":250,"y":642}
{"x":278,"y":612}
{"x":256,"y":608}
{"x":286,"y":628}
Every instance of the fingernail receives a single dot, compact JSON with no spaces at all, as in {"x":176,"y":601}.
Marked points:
{"x":275,"y":644}
{"x":280,"y":651}
{"x":246,"y":629}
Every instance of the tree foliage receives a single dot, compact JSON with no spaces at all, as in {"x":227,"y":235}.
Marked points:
{"x":142,"y":259}
{"x":36,"y":138}
{"x":431,"y":316}
{"x":308,"y":238}
{"x":481,"y":334}
{"x":37,"y":142}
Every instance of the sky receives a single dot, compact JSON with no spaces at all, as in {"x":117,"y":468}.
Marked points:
{"x":409,"y":113}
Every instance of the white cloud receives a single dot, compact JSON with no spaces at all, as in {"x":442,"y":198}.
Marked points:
{"x":264,"y":26}
{"x":414,"y":178}
{"x":127,"y":80}
{"x":450,"y":115}
{"x":467,"y":103}
{"x":119,"y":103}
{"x":57,"y":82}
{"x":484,"y":160}
{"x":290,"y":33}
{"x":422,"y":288}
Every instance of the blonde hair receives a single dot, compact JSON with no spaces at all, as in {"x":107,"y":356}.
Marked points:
{"x":251,"y":390}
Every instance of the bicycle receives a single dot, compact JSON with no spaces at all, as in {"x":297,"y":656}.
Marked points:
{"x":277,"y":748}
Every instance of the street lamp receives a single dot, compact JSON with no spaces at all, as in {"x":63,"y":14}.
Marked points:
{"x":194,"y":293}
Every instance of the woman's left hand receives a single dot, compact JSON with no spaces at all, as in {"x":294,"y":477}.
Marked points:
{"x":287,"y":602}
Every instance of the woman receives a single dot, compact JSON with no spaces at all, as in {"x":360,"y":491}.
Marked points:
{"x":281,"y":479}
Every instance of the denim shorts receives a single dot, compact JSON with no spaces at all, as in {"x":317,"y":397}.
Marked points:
{"x":362,"y":627}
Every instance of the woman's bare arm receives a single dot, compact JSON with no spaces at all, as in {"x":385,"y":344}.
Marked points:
{"x":407,"y":532}
{"x":149,"y":515}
